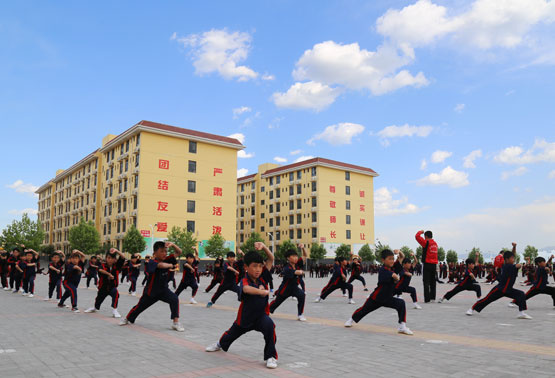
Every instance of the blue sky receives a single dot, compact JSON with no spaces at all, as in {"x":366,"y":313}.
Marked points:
{"x":408,"y":88}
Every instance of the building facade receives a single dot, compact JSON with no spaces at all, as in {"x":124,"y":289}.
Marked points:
{"x":153,"y":176}
{"x":313,"y":201}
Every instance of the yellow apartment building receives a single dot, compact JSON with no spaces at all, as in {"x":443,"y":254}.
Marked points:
{"x":313,"y":201}
{"x":153,"y":176}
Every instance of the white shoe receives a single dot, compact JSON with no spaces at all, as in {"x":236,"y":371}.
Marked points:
{"x":89,"y":310}
{"x":404,"y":329}
{"x":318,"y":300}
{"x":301,"y":318}
{"x":21,"y":290}
{"x":524,"y":316}
{"x":213,"y":348}
{"x":6,"y":288}
{"x":440,"y":300}
{"x":24,"y":294}
{"x":178,"y":327}
{"x":75,"y":310}
{"x":30,"y":296}
{"x":46,"y":299}
{"x":294,"y":299}
{"x":193,"y":301}
{"x":511,"y":304}
{"x":134,"y":294}
{"x":349,"y":323}
{"x":123,"y":322}
{"x":351,"y":301}
{"x":67,"y":306}
{"x":115,"y":313}
{"x":470,"y":312}
{"x":345,"y":295}
{"x":271,"y":363}
{"x":416,"y":306}
{"x":432,"y":301}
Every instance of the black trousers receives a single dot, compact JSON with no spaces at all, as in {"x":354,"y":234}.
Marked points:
{"x":295,"y":292}
{"x":103,"y":293}
{"x":429,"y":279}
{"x":331,"y":287}
{"x":360,"y":278}
{"x":145,"y":279}
{"x":496,"y":293}
{"x":224,"y":286}
{"x":546,"y":290}
{"x":70,"y":291}
{"x":213,"y":283}
{"x":4,"y":278}
{"x":29,"y":285}
{"x":192,"y":283}
{"x":457,"y":289}
{"x":167,"y":296}
{"x":264,"y":325}
{"x":409,"y":289}
{"x":15,"y":281}
{"x":372,"y":305}
{"x":92,"y":277}
{"x":133,"y":286}
{"x":55,"y":285}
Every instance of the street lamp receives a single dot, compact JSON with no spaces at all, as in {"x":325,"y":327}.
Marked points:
{"x":273,"y":242}
{"x":152,"y":233}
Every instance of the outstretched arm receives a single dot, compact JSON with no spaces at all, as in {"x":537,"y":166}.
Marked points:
{"x":270,"y":260}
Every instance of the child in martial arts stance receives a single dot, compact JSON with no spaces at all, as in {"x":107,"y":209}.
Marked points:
{"x":55,"y":271}
{"x":290,"y":285}
{"x":30,"y":273}
{"x":403,"y":285}
{"x":253,"y":314}
{"x":133,"y":273}
{"x":231,"y":272}
{"x":73,"y":270}
{"x":92,"y":271}
{"x":539,"y":286}
{"x":383,"y":295}
{"x":157,"y":288}
{"x":109,"y":277}
{"x":189,"y":278}
{"x":337,"y":281}
{"x":467,"y":283}
{"x":216,"y":274}
{"x":505,"y":288}
{"x":356,"y":272}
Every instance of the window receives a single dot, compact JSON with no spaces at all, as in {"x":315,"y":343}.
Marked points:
{"x":348,"y":236}
{"x":192,"y":147}
{"x":299,"y":204}
{"x":262,"y":215}
{"x":314,"y":232}
{"x":277,"y":193}
{"x":135,"y":203}
{"x":242,"y":187}
{"x":271,"y":181}
{"x":271,"y":209}
{"x":348,"y":205}
{"x":124,"y":205}
{"x":138,"y":139}
{"x":125,"y":185}
{"x":313,"y":186}
{"x":262,"y":189}
{"x":271,"y":193}
{"x":123,"y":225}
{"x":271,"y":222}
{"x":190,"y":206}
{"x":348,"y":176}
{"x":348,"y":190}
{"x":126,"y":165}
{"x":299,"y":173}
{"x":120,"y":187}
{"x":291,"y":176}
{"x":314,"y":217}
{"x":191,"y":186}
{"x":291,"y":205}
{"x":127,"y":146}
{"x":291,"y":219}
{"x":104,"y":228}
{"x":291,"y":190}
{"x":299,"y":218}
{"x":253,"y":185}
{"x":278,"y":235}
{"x":278,"y":207}
{"x":348,"y":219}
{"x":190,"y":226}
{"x":313,"y":201}
{"x":299,"y":233}
{"x":262,"y":202}
{"x":253,"y":198}
{"x":299,"y":189}
{"x":242,"y":212}
{"x":313,"y":171}
{"x":278,"y":179}
{"x":278,"y":221}
{"x":192,"y":166}
{"x":136,"y":182}
{"x":291,"y":234}
{"x":137,"y":160}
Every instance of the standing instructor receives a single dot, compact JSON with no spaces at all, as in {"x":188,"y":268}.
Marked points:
{"x":429,"y":259}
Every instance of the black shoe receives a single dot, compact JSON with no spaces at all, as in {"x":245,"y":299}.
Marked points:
{"x":365,"y":289}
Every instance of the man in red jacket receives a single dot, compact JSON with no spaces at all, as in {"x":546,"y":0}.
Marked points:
{"x":498,"y":263}
{"x":429,"y":259}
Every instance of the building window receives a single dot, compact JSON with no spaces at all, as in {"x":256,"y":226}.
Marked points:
{"x":271,"y":209}
{"x":348,"y":190}
{"x":291,"y":205}
{"x":278,"y":207}
{"x":313,"y":201}
{"x":313,"y":186}
{"x":314,"y":232}
{"x":291,"y":176}
{"x":299,"y":204}
{"x":299,"y":189}
{"x":192,"y":166}
{"x":190,"y":206}
{"x":123,"y":225}
{"x":135,"y":203}
{"x":192,"y":147}
{"x":348,"y":176}
{"x":104,"y":228}
{"x":127,"y":146}
{"x":299,"y":233}
{"x":291,"y":219}
{"x":291,"y":234}
{"x":262,"y":189}
{"x":278,"y":235}
{"x":299,"y":174}
{"x":190,"y":226}
{"x":271,"y":181}
{"x":348,"y":205}
{"x":314,"y":217}
{"x":277,"y":193}
{"x":271,"y":222}
{"x":271,"y":193}
{"x":313,"y":171}
{"x":191,"y":186}
{"x":278,"y":180}
{"x":299,"y":218}
{"x":348,"y":219}
{"x":348,"y":236}
{"x":262,"y":215}
{"x":278,"y":221}
{"x":291,"y":190}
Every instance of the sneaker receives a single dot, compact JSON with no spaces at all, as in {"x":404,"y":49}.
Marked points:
{"x":432,"y":301}
{"x":365,"y":289}
{"x":25,"y":294}
{"x":47,"y":299}
{"x":60,"y":305}
{"x":301,"y":318}
{"x":178,"y":327}
{"x":67,"y":306}
{"x":345,"y":294}
{"x":318,"y":300}
{"x":416,"y":306}
{"x":271,"y":363}
{"x":524,"y":316}
{"x":209,"y":304}
{"x":30,"y":295}
{"x":134,"y":294}
{"x":404,"y":329}
{"x":193,"y":301}
{"x":75,"y":310}
{"x":511,"y":304}
{"x":115,"y":313}
{"x":470,"y":312}
{"x":123,"y":322}
{"x":349,"y":323}
{"x":21,"y":290}
{"x":213,"y":348}
{"x":89,"y":310}
{"x":294,"y":299}
{"x":6,"y":288}
{"x":440,"y":300}
{"x":351,"y":301}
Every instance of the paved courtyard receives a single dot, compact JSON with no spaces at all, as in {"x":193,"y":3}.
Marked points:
{"x":39,"y":340}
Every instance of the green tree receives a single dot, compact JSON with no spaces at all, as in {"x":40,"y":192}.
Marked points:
{"x":531,"y":252}
{"x":248,"y":245}
{"x":472,"y":255}
{"x":441,"y":254}
{"x":452,"y":257}
{"x":133,"y":241}
{"x":84,"y":237}
{"x":282,"y":248}
{"x":419,"y":252}
{"x":379,"y":248}
{"x":183,"y":239}
{"x":407,"y":251}
{"x":344,"y":250}
{"x":517,"y":255}
{"x":215,"y":248}
{"x":48,"y":249}
{"x":317,"y":252}
{"x":24,"y":231}
{"x":366,"y":254}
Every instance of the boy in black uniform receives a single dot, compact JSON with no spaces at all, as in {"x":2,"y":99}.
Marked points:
{"x":505,"y":287}
{"x":216,"y":274}
{"x":147,"y":259}
{"x":403,"y":285}
{"x":356,"y":272}
{"x":229,"y":282}
{"x":30,"y":273}
{"x":133,"y":273}
{"x":108,"y":284}
{"x":290,"y":285}
{"x":337,"y":281}
{"x":189,"y":278}
{"x":468,"y":282}
{"x":73,"y":271}
{"x":253,"y":314}
{"x":15,"y":275}
{"x":157,"y":288}
{"x":383,"y":295}
{"x":92,"y":271}
{"x":4,"y":267}
{"x":55,"y":271}
{"x":539,"y":286}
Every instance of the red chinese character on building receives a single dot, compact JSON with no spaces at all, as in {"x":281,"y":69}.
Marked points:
{"x":217,"y":211}
{"x":216,"y":230}
{"x":332,"y":204}
{"x":332,"y":189}
{"x":162,"y":227}
{"x":162,"y":185}
{"x":163,"y":164}
{"x":332,"y":235}
{"x":361,"y":193}
{"x":363,"y":222}
{"x":362,"y":236}
{"x":218,"y":170}
{"x":162,"y":206}
{"x":218,"y":192}
{"x":362,"y":208}
{"x":332,"y":219}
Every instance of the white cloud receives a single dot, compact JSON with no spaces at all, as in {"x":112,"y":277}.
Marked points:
{"x":240,"y":110}
{"x":20,"y":187}
{"x":517,"y":172}
{"x":242,"y":172}
{"x":448,"y":176}
{"x":541,"y":152}
{"x":423,"y":164}
{"x":279,"y":159}
{"x":268,"y":77}
{"x":274,"y":124}
{"x":241,"y":154}
{"x":24,"y":211}
{"x":551,"y":174}
{"x":219,"y":51}
{"x":240,"y":137}
{"x":459,"y":108}
{"x":303,"y":158}
{"x":440,"y":156}
{"x":341,"y":133}
{"x":391,"y":132}
{"x":468,"y":160}
{"x":384,"y":204}
{"x":295,"y":152}
{"x":309,"y":95}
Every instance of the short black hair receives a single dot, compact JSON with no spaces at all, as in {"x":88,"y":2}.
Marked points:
{"x":94,"y":257}
{"x":386,"y":253}
{"x":189,"y":255}
{"x":252,"y":257}
{"x":470,"y":261}
{"x":291,"y":252}
{"x":406,"y":260}
{"x":158,"y":245}
{"x":29,"y":253}
{"x":340,"y":259}
{"x":16,"y":249}
{"x":4,"y":254}
{"x":112,"y":255}
{"x":230,"y":254}
{"x":428,"y":234}
{"x":539,"y":260}
{"x":508,"y":254}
